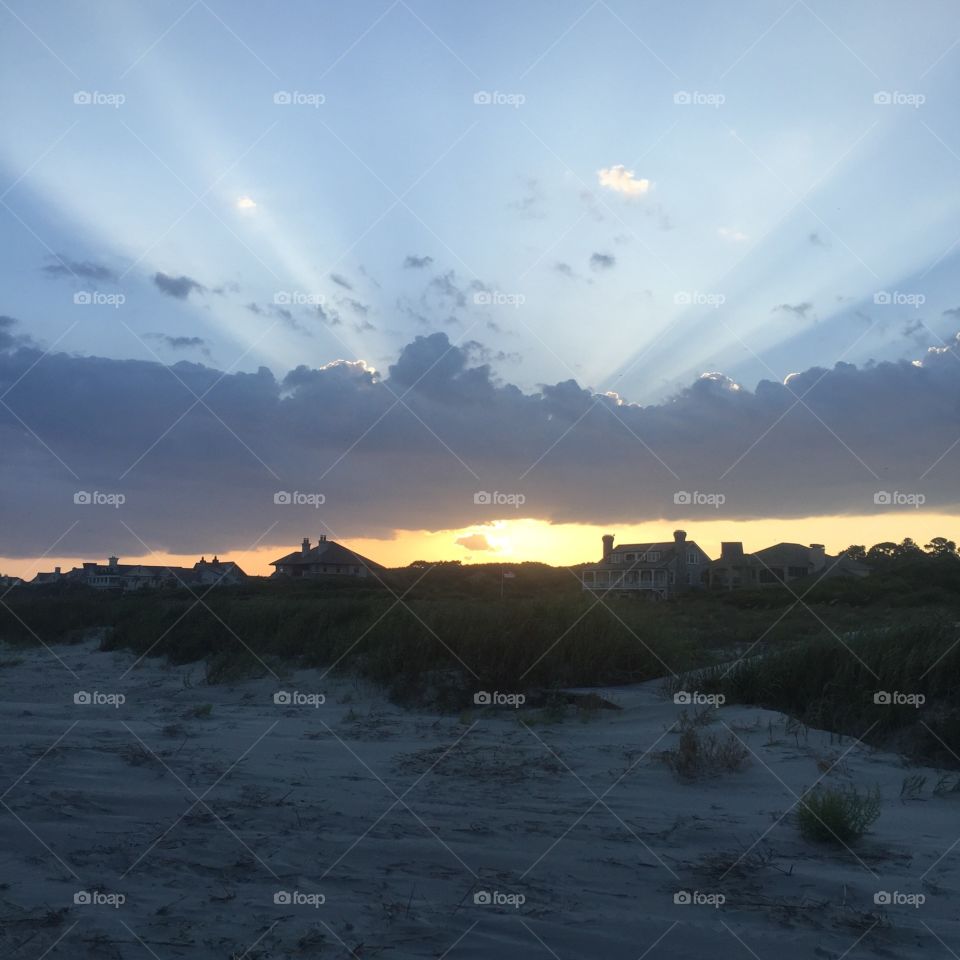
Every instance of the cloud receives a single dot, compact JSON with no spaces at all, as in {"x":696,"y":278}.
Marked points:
{"x":565,"y":269}
{"x":418,"y":464}
{"x":81,"y":269}
{"x":952,"y":312}
{"x":817,"y":240}
{"x":735,"y":236}
{"x":530,"y":205}
{"x":341,"y":281}
{"x":412,"y":262}
{"x":245,"y":203}
{"x":178,"y":287}
{"x":475,"y":542}
{"x":281,"y":313}
{"x":181,"y":343}
{"x":602,"y":261}
{"x":797,"y":309}
{"x":621,"y":180}
{"x":356,"y":306}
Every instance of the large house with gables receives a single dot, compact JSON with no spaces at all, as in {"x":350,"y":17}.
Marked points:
{"x":778,"y":565}
{"x":327,"y":559}
{"x":114,"y":575}
{"x":657,"y":570}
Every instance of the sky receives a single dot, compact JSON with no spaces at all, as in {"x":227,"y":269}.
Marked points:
{"x":475,"y":281}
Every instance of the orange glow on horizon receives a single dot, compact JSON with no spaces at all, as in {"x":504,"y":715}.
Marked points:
{"x":518,"y":540}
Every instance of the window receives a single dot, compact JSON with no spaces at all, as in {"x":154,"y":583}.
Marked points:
{"x":631,"y":556}
{"x":588,"y":576}
{"x":653,"y":556}
{"x":616,"y":557}
{"x":793,"y":572}
{"x":693,"y":556}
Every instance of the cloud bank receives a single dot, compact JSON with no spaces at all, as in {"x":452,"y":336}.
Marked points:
{"x":200,"y":455}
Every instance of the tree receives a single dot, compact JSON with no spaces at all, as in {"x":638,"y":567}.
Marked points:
{"x":941,"y":547}
{"x":856,"y":552}
{"x":907,"y":548}
{"x":882,"y":551}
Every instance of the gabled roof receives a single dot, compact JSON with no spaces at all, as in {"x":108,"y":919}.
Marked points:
{"x":791,"y":554}
{"x":327,"y":551}
{"x":663,"y":546}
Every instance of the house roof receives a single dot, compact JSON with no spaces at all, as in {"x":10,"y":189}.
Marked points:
{"x":789,"y":554}
{"x":326,"y":551}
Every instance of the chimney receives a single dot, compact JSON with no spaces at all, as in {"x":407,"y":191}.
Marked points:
{"x":56,"y":570}
{"x":323,"y":538}
{"x":732,"y":551}
{"x":818,"y":556}
{"x":680,"y":567}
{"x":305,"y":546}
{"x":607,"y":545}
{"x":113,"y":561}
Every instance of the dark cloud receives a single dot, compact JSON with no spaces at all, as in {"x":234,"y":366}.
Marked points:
{"x":817,"y":240}
{"x":602,"y":261}
{"x":341,"y":281}
{"x":328,"y":315}
{"x":412,"y":262}
{"x":953,"y":312}
{"x":81,"y":269}
{"x":178,"y":287}
{"x":797,"y":309}
{"x":362,"y":309}
{"x":199,"y":474}
{"x":284,"y":315}
{"x":182,"y":343}
{"x":565,"y":269}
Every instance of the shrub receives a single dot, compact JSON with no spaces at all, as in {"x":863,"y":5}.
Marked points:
{"x":698,"y":755}
{"x":837,"y":815}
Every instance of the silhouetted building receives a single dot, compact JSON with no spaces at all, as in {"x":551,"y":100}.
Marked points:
{"x":327,"y":559}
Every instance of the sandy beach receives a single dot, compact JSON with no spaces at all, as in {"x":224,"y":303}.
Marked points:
{"x":170,"y":818}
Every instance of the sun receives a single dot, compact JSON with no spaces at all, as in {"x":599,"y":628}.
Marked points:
{"x":245,"y":203}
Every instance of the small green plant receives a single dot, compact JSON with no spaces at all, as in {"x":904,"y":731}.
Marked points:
{"x":837,"y":815}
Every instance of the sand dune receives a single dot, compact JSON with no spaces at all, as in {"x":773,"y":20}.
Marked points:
{"x":202,"y":821}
